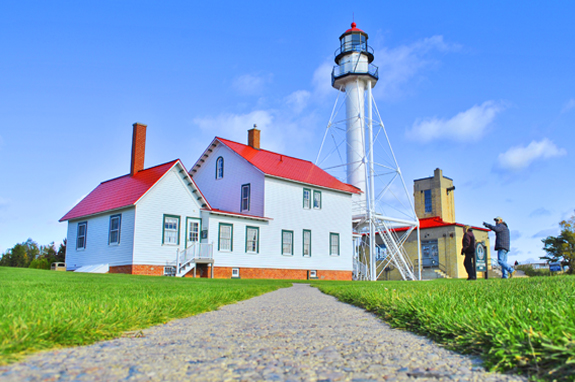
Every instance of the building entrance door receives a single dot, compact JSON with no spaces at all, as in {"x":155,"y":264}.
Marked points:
{"x":429,"y":254}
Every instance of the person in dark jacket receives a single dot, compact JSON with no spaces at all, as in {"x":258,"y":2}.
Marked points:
{"x":502,"y":244}
{"x":468,"y":250}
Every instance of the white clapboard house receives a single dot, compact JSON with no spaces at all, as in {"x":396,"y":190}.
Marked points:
{"x":241,"y":211}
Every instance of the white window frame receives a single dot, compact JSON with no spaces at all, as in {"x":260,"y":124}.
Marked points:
{"x":252,"y":244}
{"x":307,"y":200}
{"x":111,"y":230}
{"x":222,"y":237}
{"x":235,"y":273}
{"x":333,"y":246}
{"x":84,"y":236}
{"x":170,"y":233}
{"x":304,"y":244}
{"x":287,"y":235}
{"x":245,"y":197}
{"x":316,"y":201}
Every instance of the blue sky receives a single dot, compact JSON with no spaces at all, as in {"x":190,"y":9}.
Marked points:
{"x":486,"y":92}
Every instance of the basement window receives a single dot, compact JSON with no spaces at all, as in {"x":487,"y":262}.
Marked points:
{"x":235,"y":273}
{"x":312,"y":275}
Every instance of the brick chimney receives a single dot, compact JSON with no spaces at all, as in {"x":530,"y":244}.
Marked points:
{"x":254,"y":137}
{"x":138,"y":148}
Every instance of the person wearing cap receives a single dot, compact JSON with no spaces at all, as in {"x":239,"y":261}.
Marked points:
{"x":502,"y":244}
{"x":468,"y":250}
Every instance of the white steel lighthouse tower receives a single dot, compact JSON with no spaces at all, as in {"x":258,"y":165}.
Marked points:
{"x":383,"y":215}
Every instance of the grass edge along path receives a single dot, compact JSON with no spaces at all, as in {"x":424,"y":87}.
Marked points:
{"x":525,"y":326}
{"x":41,"y":310}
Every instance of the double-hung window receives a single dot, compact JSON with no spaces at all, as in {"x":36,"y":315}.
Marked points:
{"x":316,"y":199}
{"x":252,"y":239}
{"x":334,"y":244}
{"x":287,"y":242}
{"x":306,"y":198}
{"x":245,"y":202}
{"x":171,"y":230}
{"x":115,"y":224}
{"x":82,"y":235}
{"x":225,"y":240}
{"x":306,"y":242}
{"x":219,"y":168}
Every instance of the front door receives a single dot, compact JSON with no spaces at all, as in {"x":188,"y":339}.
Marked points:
{"x":192,"y":231}
{"x":429,"y":254}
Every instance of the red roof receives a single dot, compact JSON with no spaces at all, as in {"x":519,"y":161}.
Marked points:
{"x":354,"y":29}
{"x":119,"y":192}
{"x":435,"y":222}
{"x":286,"y":167}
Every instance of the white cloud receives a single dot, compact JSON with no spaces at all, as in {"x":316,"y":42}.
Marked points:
{"x":298,"y":100}
{"x":235,"y":126}
{"x":321,"y":80}
{"x":250,"y":84}
{"x":469,"y":125}
{"x":568,"y":106}
{"x":399,"y":65}
{"x":518,"y":157}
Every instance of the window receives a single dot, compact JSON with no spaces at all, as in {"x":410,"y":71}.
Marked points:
{"x":334,"y":244}
{"x":193,"y":227}
{"x":287,"y":242}
{"x":306,"y":242}
{"x":316,"y":199}
{"x":427,"y":196}
{"x":245,"y":204}
{"x":114,"y":235}
{"x":312,"y":275}
{"x":306,"y":198}
{"x":235,"y":273}
{"x":252,"y":239}
{"x":82,"y":235}
{"x":171,"y":230}
{"x":225,"y":240}
{"x":219,"y":168}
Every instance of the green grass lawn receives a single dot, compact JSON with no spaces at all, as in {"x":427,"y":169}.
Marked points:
{"x":45,"y":309}
{"x":524,"y":325}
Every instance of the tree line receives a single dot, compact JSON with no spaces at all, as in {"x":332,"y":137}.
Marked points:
{"x":561,"y":248}
{"x":31,"y":255}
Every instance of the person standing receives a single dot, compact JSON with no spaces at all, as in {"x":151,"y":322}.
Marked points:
{"x":468,"y":250}
{"x":502,"y":243}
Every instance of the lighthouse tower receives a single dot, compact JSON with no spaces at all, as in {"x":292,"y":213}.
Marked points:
{"x":383,"y":215}
{"x":354,"y":74}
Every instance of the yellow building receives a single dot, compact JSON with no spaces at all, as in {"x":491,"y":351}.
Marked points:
{"x":441,"y":236}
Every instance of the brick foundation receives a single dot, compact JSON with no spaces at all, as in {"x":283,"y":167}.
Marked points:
{"x":286,"y":274}
{"x":226,"y":272}
{"x":148,"y":270}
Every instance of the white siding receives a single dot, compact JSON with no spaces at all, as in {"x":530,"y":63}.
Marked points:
{"x":97,"y":250}
{"x":224,"y":193}
{"x":284,"y":203}
{"x":170,"y":196}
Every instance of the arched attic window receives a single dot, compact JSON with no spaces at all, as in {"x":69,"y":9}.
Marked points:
{"x":219,"y":168}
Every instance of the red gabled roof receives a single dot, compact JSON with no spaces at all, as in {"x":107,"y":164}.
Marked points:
{"x":286,"y":167}
{"x":118,"y":192}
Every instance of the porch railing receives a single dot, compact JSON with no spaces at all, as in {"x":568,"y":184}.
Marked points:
{"x":196,"y":251}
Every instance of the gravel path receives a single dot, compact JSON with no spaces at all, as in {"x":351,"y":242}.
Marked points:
{"x":292,"y":334}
